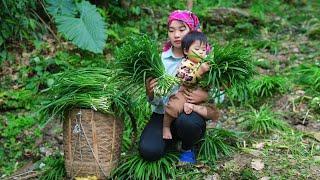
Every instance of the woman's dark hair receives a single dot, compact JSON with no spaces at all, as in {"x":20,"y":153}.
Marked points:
{"x":191,"y":37}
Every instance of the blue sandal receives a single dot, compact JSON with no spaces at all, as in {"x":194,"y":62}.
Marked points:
{"x":188,"y":157}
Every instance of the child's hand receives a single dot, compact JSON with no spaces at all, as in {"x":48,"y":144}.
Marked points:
{"x":188,"y":108}
{"x":182,"y":88}
{"x":204,"y":67}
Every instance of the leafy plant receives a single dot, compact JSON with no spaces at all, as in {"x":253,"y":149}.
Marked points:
{"x":271,"y":45}
{"x":81,"y":23}
{"x":248,"y":174}
{"x":239,"y":93}
{"x":116,"y":32}
{"x":141,"y":111}
{"x":61,"y":7}
{"x":96,"y":88}
{"x":139,"y":59}
{"x":263,"y":121}
{"x":18,"y":134}
{"x":315,"y":104}
{"x":15,"y":99}
{"x":267,"y":86}
{"x":313,"y":28}
{"x":217,"y":142}
{"x":260,"y":8}
{"x":310,"y":75}
{"x":18,"y":20}
{"x":229,"y":65}
{"x":135,"y":167}
{"x":40,"y":74}
{"x":54,"y":168}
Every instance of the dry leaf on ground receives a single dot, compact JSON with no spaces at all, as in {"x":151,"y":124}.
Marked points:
{"x":257,"y":164}
{"x":258,"y":145}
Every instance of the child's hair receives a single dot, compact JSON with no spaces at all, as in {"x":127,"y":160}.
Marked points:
{"x":192,"y":37}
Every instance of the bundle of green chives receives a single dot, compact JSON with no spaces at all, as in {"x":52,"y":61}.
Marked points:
{"x":139,"y":59}
{"x":95,"y":88}
{"x":229,"y":65}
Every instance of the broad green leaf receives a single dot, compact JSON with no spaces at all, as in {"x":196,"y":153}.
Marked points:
{"x":88,"y":31}
{"x":61,"y":7}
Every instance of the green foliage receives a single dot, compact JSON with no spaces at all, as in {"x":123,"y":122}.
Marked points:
{"x":296,"y":144}
{"x":246,"y":29}
{"x":139,"y":59}
{"x":95,"y":88}
{"x":54,"y":168}
{"x":217,"y":142}
{"x":267,"y":86}
{"x":247,"y":174}
{"x":116,"y":32}
{"x":15,"y":124}
{"x":140,"y":111}
{"x":189,"y":171}
{"x":259,"y":8}
{"x":263,"y":121}
{"x":135,"y":167}
{"x":314,"y":28}
{"x":310,"y":76}
{"x":16,"y":99}
{"x":271,"y":45}
{"x":38,"y":75}
{"x":18,"y":21}
{"x":65,"y":60}
{"x":230,"y":65}
{"x":61,"y":7}
{"x":41,"y":74}
{"x":85,"y":28}
{"x":117,"y":13}
{"x":18,"y":134}
{"x":263,"y":63}
{"x":315,"y":104}
{"x":239,"y":93}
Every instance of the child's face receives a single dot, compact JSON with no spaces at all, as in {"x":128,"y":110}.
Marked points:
{"x":197,"y":51}
{"x":177,"y":30}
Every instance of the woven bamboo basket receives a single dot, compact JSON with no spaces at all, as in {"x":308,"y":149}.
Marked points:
{"x":92,"y":143}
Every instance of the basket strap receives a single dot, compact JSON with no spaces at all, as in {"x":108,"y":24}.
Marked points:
{"x":69,"y":128}
{"x":94,"y":139}
{"x":113,"y":139}
{"x":93,"y":153}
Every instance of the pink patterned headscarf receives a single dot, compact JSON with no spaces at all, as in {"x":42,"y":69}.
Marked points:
{"x":187,"y":17}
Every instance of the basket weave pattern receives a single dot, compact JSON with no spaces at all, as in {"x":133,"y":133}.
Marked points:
{"x":92,"y":143}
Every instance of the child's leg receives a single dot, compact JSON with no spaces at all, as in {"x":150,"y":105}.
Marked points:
{"x":172,"y":110}
{"x":166,"y":133}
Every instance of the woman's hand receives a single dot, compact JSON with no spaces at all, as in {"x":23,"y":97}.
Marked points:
{"x":150,"y":84}
{"x":196,"y":96}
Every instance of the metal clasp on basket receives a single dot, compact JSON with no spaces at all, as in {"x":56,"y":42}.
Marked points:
{"x":77,"y":128}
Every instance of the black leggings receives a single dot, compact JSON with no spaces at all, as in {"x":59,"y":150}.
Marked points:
{"x":189,"y":128}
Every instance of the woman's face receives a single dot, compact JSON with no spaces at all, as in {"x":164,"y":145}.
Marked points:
{"x":177,"y":30}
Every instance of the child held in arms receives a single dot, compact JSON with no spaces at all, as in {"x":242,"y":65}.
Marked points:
{"x":195,"y":46}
